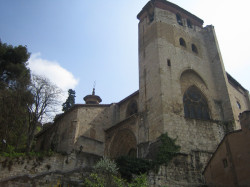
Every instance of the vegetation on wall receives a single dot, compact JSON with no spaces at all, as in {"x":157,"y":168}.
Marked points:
{"x":129,"y":166}
{"x":106,"y":174}
{"x":167,"y":150}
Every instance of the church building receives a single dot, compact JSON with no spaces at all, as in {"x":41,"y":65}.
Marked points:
{"x":184,"y":91}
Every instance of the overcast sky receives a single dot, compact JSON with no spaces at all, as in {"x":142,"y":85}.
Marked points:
{"x":76,"y":43}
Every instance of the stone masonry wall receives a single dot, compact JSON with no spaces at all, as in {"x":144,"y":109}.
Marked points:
{"x":44,"y":171}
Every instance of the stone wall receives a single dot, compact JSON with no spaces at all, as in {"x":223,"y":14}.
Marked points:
{"x":45,"y":171}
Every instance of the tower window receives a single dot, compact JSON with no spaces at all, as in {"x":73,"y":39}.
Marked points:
{"x":189,"y":23}
{"x":169,"y":62}
{"x":238,"y":104}
{"x":179,"y":20}
{"x":194,"y":49}
{"x":195,"y":104}
{"x":182,"y":42}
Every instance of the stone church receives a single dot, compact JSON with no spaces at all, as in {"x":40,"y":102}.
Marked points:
{"x":184,"y":90}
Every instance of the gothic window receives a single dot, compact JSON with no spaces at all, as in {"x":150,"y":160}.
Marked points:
{"x":182,"y":42}
{"x":179,"y":20}
{"x":189,"y":23}
{"x":195,"y":104}
{"x":132,"y":108}
{"x":194,"y":48}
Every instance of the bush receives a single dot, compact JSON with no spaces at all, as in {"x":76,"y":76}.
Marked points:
{"x":106,"y":175}
{"x":129,"y":166}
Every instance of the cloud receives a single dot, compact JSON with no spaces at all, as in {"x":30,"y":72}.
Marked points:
{"x":56,"y":74}
{"x":53,"y":71}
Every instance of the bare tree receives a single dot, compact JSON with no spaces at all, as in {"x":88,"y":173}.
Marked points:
{"x":46,"y":98}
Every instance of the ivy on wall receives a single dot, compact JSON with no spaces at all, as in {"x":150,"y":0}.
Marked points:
{"x":165,"y":152}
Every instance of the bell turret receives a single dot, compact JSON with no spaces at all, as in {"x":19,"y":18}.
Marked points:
{"x":92,"y":99}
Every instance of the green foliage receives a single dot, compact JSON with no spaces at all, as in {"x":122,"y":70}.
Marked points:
{"x":105,"y":175}
{"x":70,"y":101}
{"x":13,"y":66}
{"x":129,"y":166}
{"x":14,"y":96}
{"x":106,"y":166}
{"x":94,"y":180}
{"x":11,"y":153}
{"x":139,"y":181}
{"x":167,"y":150}
{"x":97,"y":180}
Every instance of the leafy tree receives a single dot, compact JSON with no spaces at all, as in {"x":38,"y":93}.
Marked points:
{"x":46,"y":100}
{"x":70,"y":101}
{"x":13,"y":66}
{"x":14,"y":95}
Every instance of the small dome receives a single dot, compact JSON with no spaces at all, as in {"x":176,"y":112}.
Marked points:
{"x":92,"y":99}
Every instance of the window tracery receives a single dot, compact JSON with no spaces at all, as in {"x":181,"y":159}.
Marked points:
{"x":195,"y":104}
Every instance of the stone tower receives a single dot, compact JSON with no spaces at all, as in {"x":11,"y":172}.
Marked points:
{"x":183,"y":88}
{"x":178,"y":57}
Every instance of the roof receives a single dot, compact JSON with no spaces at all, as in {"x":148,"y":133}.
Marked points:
{"x":129,"y":97}
{"x":166,"y":5}
{"x":235,"y":83}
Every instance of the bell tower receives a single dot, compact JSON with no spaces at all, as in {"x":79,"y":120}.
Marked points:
{"x":182,"y":81}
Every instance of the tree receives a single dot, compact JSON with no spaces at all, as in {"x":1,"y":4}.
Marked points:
{"x":46,"y":98}
{"x":13,"y":66}
{"x":14,"y":95}
{"x":70,"y":100}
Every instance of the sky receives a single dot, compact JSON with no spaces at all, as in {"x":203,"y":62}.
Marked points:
{"x":77,"y":43}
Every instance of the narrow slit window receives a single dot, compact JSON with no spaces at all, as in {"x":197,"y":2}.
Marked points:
{"x":169,"y":62}
{"x":238,"y":104}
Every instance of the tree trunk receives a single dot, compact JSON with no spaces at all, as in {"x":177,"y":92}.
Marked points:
{"x":30,"y":139}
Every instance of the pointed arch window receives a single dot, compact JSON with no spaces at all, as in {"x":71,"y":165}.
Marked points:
{"x":182,"y":42}
{"x":195,"y":104}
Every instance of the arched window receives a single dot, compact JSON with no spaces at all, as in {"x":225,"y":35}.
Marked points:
{"x":189,"y":23}
{"x":182,"y":42}
{"x":194,"y":48}
{"x":195,"y":104}
{"x":179,"y":20}
{"x":132,"y":108}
